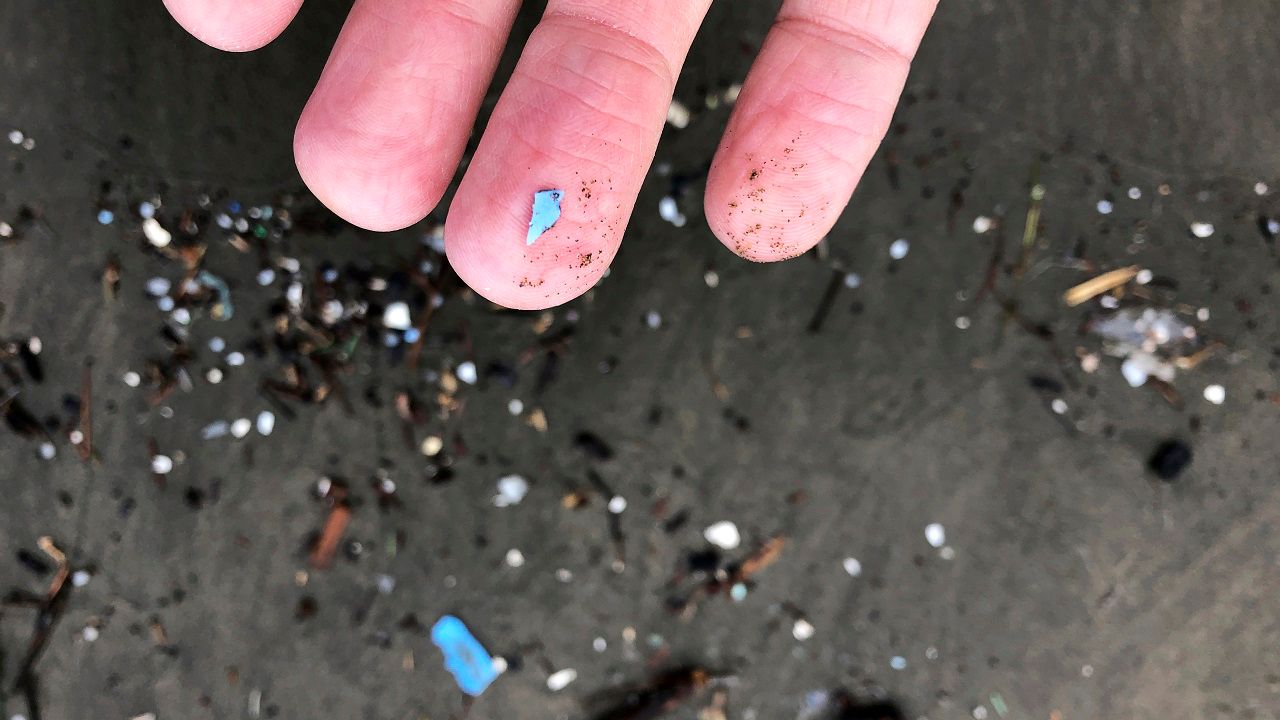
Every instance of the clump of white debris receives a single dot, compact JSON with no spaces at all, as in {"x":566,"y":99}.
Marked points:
{"x":1153,"y":342}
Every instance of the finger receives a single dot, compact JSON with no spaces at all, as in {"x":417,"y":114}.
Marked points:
{"x":812,"y":112}
{"x":582,"y":113}
{"x":235,"y":25}
{"x":384,"y":129}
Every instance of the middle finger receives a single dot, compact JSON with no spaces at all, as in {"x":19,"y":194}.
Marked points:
{"x":582,"y":114}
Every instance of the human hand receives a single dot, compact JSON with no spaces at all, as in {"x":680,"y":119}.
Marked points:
{"x":387,"y":124}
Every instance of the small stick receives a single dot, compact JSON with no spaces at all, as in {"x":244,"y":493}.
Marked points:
{"x":330,"y":536}
{"x":1094,"y":287}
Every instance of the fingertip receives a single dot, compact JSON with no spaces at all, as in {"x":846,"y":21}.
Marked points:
{"x":376,"y":194}
{"x":764,"y":210}
{"x":230,"y":26}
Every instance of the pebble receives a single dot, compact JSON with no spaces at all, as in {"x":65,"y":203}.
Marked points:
{"x":852,"y":566}
{"x":266,"y":422}
{"x":161,"y":464}
{"x":1215,"y":394}
{"x":511,"y":490}
{"x":899,"y":248}
{"x":396,"y":316}
{"x":466,"y":372}
{"x":723,"y":535}
{"x":935,"y":534}
{"x":561,"y":679}
{"x":155,"y":234}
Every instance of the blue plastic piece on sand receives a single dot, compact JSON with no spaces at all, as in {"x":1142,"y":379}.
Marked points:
{"x":546,"y":211}
{"x":464,"y":656}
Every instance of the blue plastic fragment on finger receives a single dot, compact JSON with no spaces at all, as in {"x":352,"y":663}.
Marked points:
{"x":546,"y":211}
{"x":464,"y":656}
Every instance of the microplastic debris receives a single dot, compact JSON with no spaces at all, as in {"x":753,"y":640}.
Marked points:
{"x":1261,"y":188}
{"x":564,"y":575}
{"x":240,"y":428}
{"x":899,"y":248}
{"x":515,"y":558}
{"x":396,"y":316}
{"x":105,"y":217}
{"x":386,"y":583}
{"x":935,"y":534}
{"x":723,"y":535}
{"x":738,"y":592}
{"x":16,"y":137}
{"x":222,"y":310}
{"x":80,"y":578}
{"x":711,"y":278}
{"x":980,"y":712}
{"x":1170,"y":458}
{"x":132,"y":379}
{"x":1105,"y":207}
{"x":982,"y":224}
{"x":653,"y":319}
{"x":215,"y":430}
{"x":156,"y":235}
{"x":47,"y":450}
{"x":678,"y":115}
{"x":1201,"y":229}
{"x":471,"y":665}
{"x":266,"y":276}
{"x":599,"y":644}
{"x":669,"y":210}
{"x":235,"y":358}
{"x":147,"y":209}
{"x":161,"y":464}
{"x":89,"y":633}
{"x":617,"y":504}
{"x":214,"y":376}
{"x":511,"y":490}
{"x":1144,"y":276}
{"x":515,"y":406}
{"x":182,"y":316}
{"x":561,"y":679}
{"x":802,"y":630}
{"x":466,"y":372}
{"x":963,"y":322}
{"x":1059,"y":406}
{"x":546,"y":211}
{"x":852,"y":566}
{"x":897,"y":662}
{"x":266,"y":422}
{"x":998,"y":704}
{"x":217,"y":344}
{"x":852,"y":280}
{"x":1215,"y":394}
{"x":1135,"y":193}
{"x":947,"y":553}
{"x":158,"y":286}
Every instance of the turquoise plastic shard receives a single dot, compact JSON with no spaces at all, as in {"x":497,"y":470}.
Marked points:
{"x":546,"y":211}
{"x":464,"y":656}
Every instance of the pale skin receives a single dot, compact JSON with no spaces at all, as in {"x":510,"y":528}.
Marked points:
{"x":388,"y":122}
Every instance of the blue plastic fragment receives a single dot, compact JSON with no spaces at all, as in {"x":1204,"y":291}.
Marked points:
{"x":464,"y":656}
{"x":546,"y":211}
